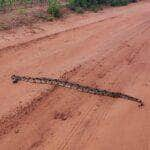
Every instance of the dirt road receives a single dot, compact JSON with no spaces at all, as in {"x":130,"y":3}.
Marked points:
{"x":109,"y":50}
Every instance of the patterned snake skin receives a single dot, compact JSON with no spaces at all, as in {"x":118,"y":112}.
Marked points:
{"x":75,"y":86}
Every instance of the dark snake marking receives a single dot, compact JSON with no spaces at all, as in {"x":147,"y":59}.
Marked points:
{"x":75,"y":86}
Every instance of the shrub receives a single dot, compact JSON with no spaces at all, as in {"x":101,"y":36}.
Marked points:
{"x":119,"y":2}
{"x":54,"y":7}
{"x":73,"y":4}
{"x":94,"y":5}
{"x":79,"y":10}
{"x":133,"y":1}
{"x":94,"y":8}
{"x":84,"y":4}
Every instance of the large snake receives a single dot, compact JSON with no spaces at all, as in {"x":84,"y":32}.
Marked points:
{"x":75,"y":86}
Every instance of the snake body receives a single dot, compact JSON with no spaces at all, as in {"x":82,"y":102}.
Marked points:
{"x":75,"y":86}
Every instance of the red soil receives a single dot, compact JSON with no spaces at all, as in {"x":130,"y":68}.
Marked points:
{"x":108,"y":50}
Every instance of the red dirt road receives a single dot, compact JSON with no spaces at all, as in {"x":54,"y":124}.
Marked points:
{"x":109,"y":50}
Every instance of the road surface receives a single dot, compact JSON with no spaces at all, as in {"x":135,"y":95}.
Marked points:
{"x":109,"y":50}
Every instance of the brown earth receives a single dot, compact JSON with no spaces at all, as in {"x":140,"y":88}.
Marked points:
{"x":109,"y":50}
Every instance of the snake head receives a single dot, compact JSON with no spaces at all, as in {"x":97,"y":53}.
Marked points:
{"x":15,"y":79}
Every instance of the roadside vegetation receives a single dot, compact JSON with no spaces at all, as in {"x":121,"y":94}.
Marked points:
{"x":54,"y":6}
{"x":95,"y":5}
{"x":51,"y":9}
{"x":80,"y":6}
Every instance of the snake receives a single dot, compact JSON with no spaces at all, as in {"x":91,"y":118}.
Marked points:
{"x":75,"y":86}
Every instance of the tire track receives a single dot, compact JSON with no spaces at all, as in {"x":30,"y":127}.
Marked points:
{"x":13,"y":119}
{"x":89,"y":115}
{"x":75,"y":128}
{"x":132,"y":55}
